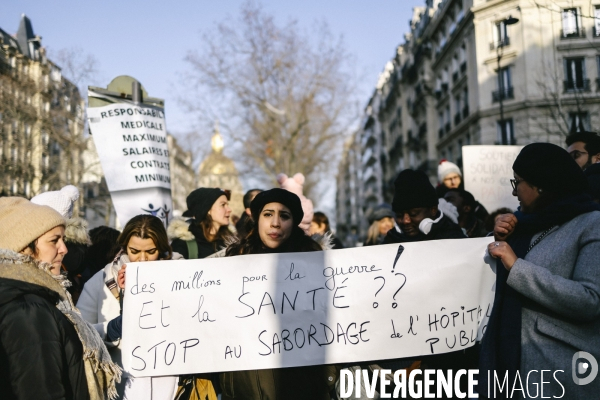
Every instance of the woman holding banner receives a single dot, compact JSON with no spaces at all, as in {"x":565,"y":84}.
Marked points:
{"x":46,"y":349}
{"x":144,"y":238}
{"x":277,"y":213}
{"x":547,"y":306}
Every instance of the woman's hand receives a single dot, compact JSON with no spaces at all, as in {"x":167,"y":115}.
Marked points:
{"x":504,"y":226}
{"x":121,"y":277}
{"x":504,"y":252}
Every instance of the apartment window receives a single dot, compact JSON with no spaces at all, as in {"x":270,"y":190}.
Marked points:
{"x":501,"y":34}
{"x":575,"y":76}
{"x":571,"y":25}
{"x":506,"y":133}
{"x":465,"y":109}
{"x":505,"y":89}
{"x":597,"y":21}
{"x":13,"y":154}
{"x":579,"y":121}
{"x":441,"y":125}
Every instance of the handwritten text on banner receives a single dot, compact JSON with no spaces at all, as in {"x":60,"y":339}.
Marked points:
{"x":295,"y":309}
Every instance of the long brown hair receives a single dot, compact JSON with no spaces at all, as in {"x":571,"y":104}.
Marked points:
{"x":147,"y":227}
{"x":223,"y":233}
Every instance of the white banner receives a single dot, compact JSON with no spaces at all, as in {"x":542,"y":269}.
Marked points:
{"x":131,"y":141}
{"x":487,"y":173}
{"x":296,"y":309}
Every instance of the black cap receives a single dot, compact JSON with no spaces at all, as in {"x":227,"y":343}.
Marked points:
{"x":276,"y":195}
{"x":200,"y":201}
{"x":550,"y":168}
{"x":412,"y":189}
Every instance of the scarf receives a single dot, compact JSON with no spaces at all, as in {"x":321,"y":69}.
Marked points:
{"x":501,"y":347}
{"x":101,"y":373}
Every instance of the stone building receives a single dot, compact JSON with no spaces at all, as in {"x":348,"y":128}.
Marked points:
{"x":183,"y":178}
{"x":478,"y":72}
{"x":41,"y":118}
{"x":218,"y":170}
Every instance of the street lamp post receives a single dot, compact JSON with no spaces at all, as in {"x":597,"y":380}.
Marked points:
{"x":501,"y":91}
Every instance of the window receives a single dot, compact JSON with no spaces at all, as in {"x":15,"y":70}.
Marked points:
{"x":468,"y":139}
{"x":501,"y":34}
{"x":575,"y":76}
{"x":506,"y":133}
{"x":579,"y":121}
{"x":597,"y":21}
{"x":505,"y":89}
{"x":571,"y":25}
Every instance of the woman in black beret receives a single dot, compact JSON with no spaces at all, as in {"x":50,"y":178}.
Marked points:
{"x":208,"y":231}
{"x":547,"y":301}
{"x":277,"y":213}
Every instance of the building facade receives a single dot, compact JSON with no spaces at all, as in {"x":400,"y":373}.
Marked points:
{"x":41,"y":118}
{"x":183,"y":177}
{"x":477,"y":72}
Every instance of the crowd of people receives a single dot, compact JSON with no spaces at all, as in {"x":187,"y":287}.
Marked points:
{"x":61,"y":286}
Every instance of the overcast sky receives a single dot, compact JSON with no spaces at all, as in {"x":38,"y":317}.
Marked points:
{"x":149,"y":39}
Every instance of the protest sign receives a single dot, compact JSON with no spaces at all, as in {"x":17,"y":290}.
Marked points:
{"x":295,"y":309}
{"x":487,"y":171}
{"x":131,"y":140}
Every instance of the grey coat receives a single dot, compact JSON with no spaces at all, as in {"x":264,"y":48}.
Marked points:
{"x":560,"y":277}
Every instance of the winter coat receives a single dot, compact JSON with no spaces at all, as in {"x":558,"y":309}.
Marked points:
{"x":41,"y":356}
{"x":99,"y":306}
{"x":47,"y":350}
{"x":444,"y":229}
{"x":180,"y":232}
{"x":559,"y":280}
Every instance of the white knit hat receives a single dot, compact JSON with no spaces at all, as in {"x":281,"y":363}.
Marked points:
{"x":446,"y":167}
{"x":61,"y":200}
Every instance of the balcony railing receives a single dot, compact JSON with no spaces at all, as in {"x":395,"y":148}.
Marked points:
{"x":457,"y":117}
{"x":505,"y":94}
{"x":500,"y":43}
{"x":578,"y":33}
{"x":465,"y":112}
{"x":574,"y":86}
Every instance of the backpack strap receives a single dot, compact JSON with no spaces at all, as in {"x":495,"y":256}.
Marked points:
{"x":192,"y":247}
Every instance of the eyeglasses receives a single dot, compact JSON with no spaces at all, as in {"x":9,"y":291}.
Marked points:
{"x":515,"y":182}
{"x":576,"y":154}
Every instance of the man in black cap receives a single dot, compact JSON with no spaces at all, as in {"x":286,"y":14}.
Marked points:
{"x":416,"y":206}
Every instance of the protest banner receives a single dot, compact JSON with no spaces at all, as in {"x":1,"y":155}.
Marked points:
{"x":296,"y":309}
{"x":131,"y":141}
{"x":487,"y":171}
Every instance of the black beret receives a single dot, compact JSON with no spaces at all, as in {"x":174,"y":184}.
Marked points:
{"x":276,"y":195}
{"x":412,"y":189}
{"x":550,"y":168}
{"x":200,"y":201}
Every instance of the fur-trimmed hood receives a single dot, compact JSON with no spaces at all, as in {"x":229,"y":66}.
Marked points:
{"x":76,"y":231}
{"x":179,"y":229}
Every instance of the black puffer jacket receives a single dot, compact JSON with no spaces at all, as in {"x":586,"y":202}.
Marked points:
{"x":41,"y":356}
